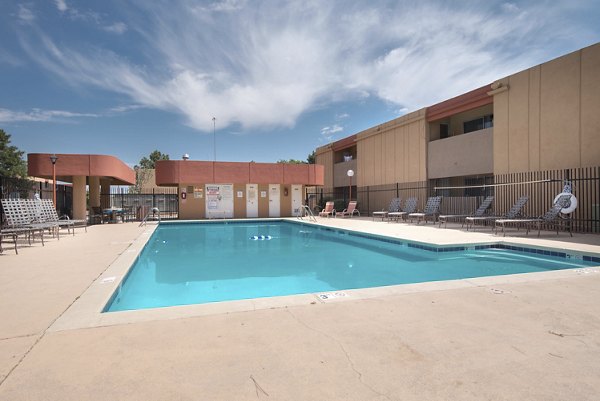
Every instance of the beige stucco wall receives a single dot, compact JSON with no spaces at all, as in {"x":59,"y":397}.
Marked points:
{"x":324,"y":157}
{"x":393,"y":152}
{"x":190,"y":207}
{"x":549,"y":118}
{"x":467,"y":154}
{"x":340,"y":173}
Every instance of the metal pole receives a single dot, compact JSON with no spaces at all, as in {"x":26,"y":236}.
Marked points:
{"x":350,"y":190}
{"x":53,"y":159}
{"x":214,"y":138}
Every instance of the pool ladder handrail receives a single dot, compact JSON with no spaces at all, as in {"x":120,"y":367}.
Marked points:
{"x":304,"y":210}
{"x":152,"y":212}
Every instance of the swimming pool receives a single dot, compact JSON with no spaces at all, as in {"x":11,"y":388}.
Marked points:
{"x":194,"y":263}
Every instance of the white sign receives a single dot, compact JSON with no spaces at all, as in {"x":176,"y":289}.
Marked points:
{"x":219,"y":201}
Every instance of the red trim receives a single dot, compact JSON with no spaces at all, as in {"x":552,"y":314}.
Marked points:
{"x":467,"y":101}
{"x":175,"y":172}
{"x":344,"y":143}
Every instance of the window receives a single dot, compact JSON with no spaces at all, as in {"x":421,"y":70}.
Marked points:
{"x":479,"y":123}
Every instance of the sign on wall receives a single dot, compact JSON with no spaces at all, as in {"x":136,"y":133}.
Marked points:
{"x":219,"y":201}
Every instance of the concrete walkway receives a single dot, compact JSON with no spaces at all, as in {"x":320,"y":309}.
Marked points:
{"x":520,"y":341}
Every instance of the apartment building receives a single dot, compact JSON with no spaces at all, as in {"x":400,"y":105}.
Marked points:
{"x":540,"y":124}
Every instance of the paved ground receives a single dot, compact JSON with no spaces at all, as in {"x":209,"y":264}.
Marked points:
{"x":536,"y":340}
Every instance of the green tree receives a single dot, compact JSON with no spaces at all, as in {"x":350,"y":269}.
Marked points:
{"x":309,"y":160}
{"x":291,"y":161}
{"x":11,"y":158}
{"x":150,"y":161}
{"x":143,"y":169}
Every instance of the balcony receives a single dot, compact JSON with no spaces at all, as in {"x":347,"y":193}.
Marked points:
{"x":340,"y":173}
{"x":467,"y":154}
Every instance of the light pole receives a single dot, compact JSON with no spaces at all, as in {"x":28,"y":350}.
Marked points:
{"x":350,"y":174}
{"x":53,"y":159}
{"x":214,"y":138}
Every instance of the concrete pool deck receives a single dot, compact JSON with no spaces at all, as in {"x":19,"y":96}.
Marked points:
{"x":535,"y":338}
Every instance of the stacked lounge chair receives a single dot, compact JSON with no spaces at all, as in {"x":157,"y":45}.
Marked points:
{"x":513,"y":213}
{"x":480,"y":212}
{"x":19,"y":220}
{"x":392,"y":208}
{"x":49,"y":215}
{"x":5,"y":235}
{"x":409,"y":207}
{"x":432,"y":210}
{"x":550,"y":218}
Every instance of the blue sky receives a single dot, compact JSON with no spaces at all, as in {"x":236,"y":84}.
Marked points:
{"x":281,"y":78}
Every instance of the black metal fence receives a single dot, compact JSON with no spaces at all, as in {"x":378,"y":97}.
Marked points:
{"x":166,"y":200}
{"x":464,"y":196}
{"x":26,"y":189}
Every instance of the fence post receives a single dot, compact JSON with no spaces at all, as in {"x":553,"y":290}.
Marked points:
{"x":153,"y":199}
{"x":368,"y":202}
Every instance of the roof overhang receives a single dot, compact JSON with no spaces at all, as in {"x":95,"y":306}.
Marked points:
{"x":70,"y":165}
{"x":467,"y":101}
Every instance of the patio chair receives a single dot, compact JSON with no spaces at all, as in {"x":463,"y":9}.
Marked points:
{"x":551,"y":217}
{"x":328,"y":210}
{"x":409,"y":207}
{"x":393,"y":207}
{"x":96,"y":215}
{"x":349,"y":211}
{"x":432,"y":209}
{"x":513,"y":213}
{"x":483,"y":207}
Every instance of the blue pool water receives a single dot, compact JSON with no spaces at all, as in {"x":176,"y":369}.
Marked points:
{"x":199,"y":263}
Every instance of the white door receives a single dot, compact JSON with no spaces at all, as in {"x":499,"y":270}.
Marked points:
{"x":251,"y":200}
{"x":296,"y":199}
{"x":274,"y":200}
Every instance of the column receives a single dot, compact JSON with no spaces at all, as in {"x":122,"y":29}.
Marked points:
{"x":79,"y":195}
{"x":94,"y":192}
{"x":105,"y":193}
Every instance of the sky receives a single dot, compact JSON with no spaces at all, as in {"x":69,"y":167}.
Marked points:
{"x":281,"y":78}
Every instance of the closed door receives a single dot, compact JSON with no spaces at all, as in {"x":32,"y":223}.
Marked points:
{"x":251,"y":200}
{"x":274,"y":200}
{"x":296,"y":199}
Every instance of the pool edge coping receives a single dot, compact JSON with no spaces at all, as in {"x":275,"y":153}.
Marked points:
{"x":87,"y":310}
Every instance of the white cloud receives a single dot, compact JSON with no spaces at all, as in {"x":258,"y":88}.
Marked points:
{"x":25,"y":14}
{"x":510,"y":7}
{"x":341,"y":116}
{"x":61,"y":5}
{"x":36,"y":115}
{"x":126,"y":108}
{"x":117,"y":27}
{"x":262,"y":64}
{"x":227,"y":5}
{"x":327,"y":133}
